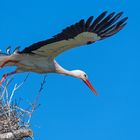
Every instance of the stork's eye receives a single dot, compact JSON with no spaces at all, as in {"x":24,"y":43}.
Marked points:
{"x":85,"y":76}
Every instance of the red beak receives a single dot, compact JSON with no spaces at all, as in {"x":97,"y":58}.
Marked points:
{"x":87,"y":82}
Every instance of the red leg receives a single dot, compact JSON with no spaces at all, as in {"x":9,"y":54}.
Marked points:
{"x":5,"y":76}
{"x":4,"y":63}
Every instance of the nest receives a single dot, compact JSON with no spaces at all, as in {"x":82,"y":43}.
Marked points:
{"x":15,"y":120}
{"x":8,"y":119}
{"x":12,"y":126}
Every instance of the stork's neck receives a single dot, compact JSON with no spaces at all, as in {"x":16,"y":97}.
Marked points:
{"x":59,"y":69}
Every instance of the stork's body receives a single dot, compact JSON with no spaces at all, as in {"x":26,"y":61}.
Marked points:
{"x":40,"y":57}
{"x":35,"y":63}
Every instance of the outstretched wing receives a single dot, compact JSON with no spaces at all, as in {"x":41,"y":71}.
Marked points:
{"x":81,"y":33}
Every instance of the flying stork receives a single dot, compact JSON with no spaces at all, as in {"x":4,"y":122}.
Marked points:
{"x":39,"y":57}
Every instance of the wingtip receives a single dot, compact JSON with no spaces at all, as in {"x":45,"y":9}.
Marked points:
{"x":91,"y":17}
{"x":121,"y":13}
{"x":126,"y":18}
{"x":103,"y":13}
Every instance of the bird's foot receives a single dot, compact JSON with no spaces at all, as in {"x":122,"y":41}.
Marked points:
{"x":6,"y":75}
{"x":3,"y":78}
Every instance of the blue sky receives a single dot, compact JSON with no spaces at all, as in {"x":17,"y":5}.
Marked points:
{"x":69,"y":110}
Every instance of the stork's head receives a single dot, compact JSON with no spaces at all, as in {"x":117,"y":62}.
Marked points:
{"x":84,"y":77}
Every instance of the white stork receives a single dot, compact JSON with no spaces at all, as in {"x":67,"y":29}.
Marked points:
{"x":39,"y":57}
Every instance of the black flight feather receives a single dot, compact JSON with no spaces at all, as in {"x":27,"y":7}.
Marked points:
{"x":104,"y":26}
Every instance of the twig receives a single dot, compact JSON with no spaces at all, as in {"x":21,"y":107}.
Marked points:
{"x":24,"y":111}
{"x":5,"y":89}
{"x":17,"y":87}
{"x":37,"y":97}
